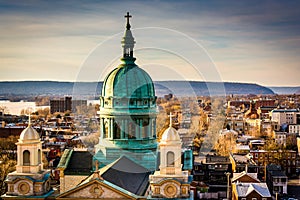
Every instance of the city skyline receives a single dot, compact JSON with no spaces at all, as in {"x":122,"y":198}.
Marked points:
{"x":249,"y":41}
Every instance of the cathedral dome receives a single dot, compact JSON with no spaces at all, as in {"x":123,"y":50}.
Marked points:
{"x":128,"y":80}
{"x":29,"y":134}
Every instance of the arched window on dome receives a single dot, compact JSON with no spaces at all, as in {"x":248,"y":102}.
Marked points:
{"x":170,"y":159}
{"x":26,"y":158}
{"x":39,"y":156}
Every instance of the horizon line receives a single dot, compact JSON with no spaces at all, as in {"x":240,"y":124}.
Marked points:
{"x":86,"y":81}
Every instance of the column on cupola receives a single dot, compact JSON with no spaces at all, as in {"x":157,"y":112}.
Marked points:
{"x":154,"y":128}
{"x":149,"y":133}
{"x":123,"y":129}
{"x":126,"y":128}
{"x":108,"y":127}
{"x":141,"y":128}
{"x":136,"y":128}
{"x":102,"y":128}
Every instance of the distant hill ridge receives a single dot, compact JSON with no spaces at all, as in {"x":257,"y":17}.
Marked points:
{"x":179,"y":88}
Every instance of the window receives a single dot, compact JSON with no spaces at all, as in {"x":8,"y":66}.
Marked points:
{"x":39,"y":157}
{"x":117,"y":131}
{"x":243,"y":198}
{"x":170,"y":159}
{"x":26,"y":158}
{"x":254,"y":198}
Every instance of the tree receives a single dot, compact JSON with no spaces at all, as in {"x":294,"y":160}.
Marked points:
{"x":6,"y":166}
{"x":7,"y":159}
{"x":226,"y":144}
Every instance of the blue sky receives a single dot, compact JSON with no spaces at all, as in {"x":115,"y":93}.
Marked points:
{"x":247,"y":41}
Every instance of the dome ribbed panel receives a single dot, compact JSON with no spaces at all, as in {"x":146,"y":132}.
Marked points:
{"x":128,"y":81}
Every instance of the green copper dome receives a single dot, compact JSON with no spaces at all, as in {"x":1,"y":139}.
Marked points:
{"x":128,"y":80}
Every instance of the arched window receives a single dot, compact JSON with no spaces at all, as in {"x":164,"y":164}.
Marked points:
{"x":170,"y":159}
{"x":131,"y":130}
{"x":39,"y":157}
{"x":106,"y":130}
{"x":26,"y":157}
{"x":117,"y":131}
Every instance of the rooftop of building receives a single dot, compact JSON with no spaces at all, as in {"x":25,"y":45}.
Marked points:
{"x":244,"y":189}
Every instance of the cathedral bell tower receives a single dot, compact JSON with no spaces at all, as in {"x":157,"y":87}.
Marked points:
{"x":127,"y":111}
{"x":29,"y":179}
{"x":171,"y":181}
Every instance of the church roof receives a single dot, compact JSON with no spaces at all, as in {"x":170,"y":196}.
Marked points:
{"x":76,"y":162}
{"x":250,"y":176}
{"x":126,"y":174}
{"x":128,"y":80}
{"x":97,"y":189}
{"x":244,"y":189}
{"x":170,"y":134}
{"x":29,"y":133}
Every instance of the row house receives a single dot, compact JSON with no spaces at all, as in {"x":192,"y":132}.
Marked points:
{"x":276,"y":180}
{"x":246,"y":186}
{"x":286,"y":158}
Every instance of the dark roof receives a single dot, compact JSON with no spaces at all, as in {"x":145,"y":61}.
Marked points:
{"x":80,"y":163}
{"x":127,"y":174}
{"x":275,"y":170}
{"x":273,"y":167}
{"x":278,"y":173}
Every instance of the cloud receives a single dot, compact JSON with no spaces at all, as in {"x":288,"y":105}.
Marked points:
{"x":236,"y":34}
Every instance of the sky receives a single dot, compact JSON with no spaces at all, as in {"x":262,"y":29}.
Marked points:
{"x":233,"y":41}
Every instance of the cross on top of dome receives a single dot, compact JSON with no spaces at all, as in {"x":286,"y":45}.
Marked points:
{"x":170,"y":125}
{"x":128,"y":41}
{"x":128,"y":16}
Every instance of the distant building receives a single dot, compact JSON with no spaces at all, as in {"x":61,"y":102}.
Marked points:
{"x":243,"y":162}
{"x":245,"y":177}
{"x":286,"y":116}
{"x":15,"y":108}
{"x":250,"y":191}
{"x":264,"y":103}
{"x":61,"y":105}
{"x":280,"y":137}
{"x":276,"y":180}
{"x":287,"y":160}
{"x":66,"y":104}
{"x":294,"y":128}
